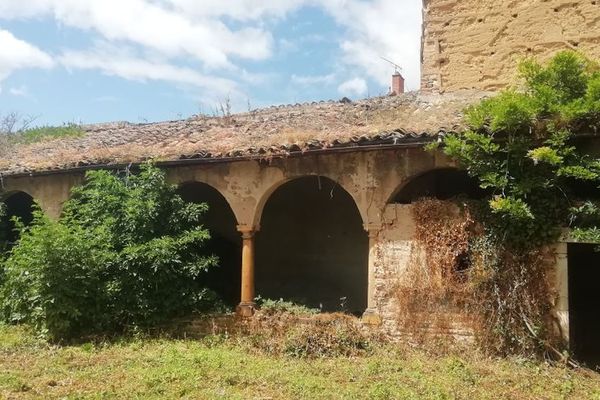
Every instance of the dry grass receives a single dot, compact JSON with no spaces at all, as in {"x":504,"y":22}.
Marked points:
{"x":265,"y":129}
{"x":218,"y":367}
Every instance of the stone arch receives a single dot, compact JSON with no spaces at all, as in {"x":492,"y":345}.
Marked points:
{"x":17,"y":204}
{"x":441,"y":183}
{"x":275,"y":185}
{"x":225,"y":240}
{"x":312,"y":247}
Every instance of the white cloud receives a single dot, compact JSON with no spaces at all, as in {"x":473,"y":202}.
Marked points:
{"x":216,"y":35}
{"x":354,"y":86}
{"x":309,"y":80}
{"x":124,"y":64}
{"x":388,"y":28}
{"x":148,"y":24}
{"x":17,"y":54}
{"x":20,"y":91}
{"x":241,"y":10}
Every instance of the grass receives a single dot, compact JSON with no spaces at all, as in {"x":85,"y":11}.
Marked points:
{"x":220,"y":368}
{"x":34,"y":135}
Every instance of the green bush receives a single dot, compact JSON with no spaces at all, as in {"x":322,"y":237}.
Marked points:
{"x":127,"y":252}
{"x":522,"y":147}
{"x":341,"y":337}
{"x":525,"y":147}
{"x":275,"y":307}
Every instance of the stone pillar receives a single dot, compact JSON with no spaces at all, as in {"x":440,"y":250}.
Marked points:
{"x":561,"y":285}
{"x":247,"y":305}
{"x":371,"y":314}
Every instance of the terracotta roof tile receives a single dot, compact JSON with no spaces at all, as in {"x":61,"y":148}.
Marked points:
{"x":273,"y":131}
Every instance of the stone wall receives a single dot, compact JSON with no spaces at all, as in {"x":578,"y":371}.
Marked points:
{"x":396,"y":252}
{"x":371,"y":179}
{"x":476,"y":43}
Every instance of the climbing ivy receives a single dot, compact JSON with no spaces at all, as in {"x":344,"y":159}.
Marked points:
{"x":531,"y":148}
{"x":527,"y":147}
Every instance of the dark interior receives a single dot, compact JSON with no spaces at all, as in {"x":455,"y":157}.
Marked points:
{"x":225,"y":240}
{"x":584,"y":302}
{"x":18,"y":205}
{"x":442,"y":184}
{"x":312,"y":248}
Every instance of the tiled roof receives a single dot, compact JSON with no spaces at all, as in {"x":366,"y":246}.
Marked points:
{"x":273,"y":131}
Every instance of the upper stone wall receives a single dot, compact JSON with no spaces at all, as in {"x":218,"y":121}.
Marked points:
{"x":476,"y":43}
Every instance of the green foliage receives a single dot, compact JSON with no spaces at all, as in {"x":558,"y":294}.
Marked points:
{"x":334,"y":338}
{"x":33,"y":135}
{"x":54,"y":278}
{"x":521,"y":147}
{"x":274,"y":307}
{"x":128,"y":251}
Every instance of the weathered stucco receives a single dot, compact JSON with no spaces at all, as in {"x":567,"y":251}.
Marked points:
{"x":371,"y":178}
{"x":475,"y":44}
{"x":49,"y":191}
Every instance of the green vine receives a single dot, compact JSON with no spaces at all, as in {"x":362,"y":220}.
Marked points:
{"x":531,"y":149}
{"x":527,"y":147}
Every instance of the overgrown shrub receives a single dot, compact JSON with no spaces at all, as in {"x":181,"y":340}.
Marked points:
{"x":128,"y":251}
{"x":524,"y":146}
{"x":327,"y":338}
{"x":274,"y":307}
{"x":302,"y":334}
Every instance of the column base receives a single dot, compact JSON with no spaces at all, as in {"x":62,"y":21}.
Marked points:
{"x":245,"y":309}
{"x":371,"y":317}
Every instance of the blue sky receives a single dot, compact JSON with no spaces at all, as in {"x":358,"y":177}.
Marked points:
{"x":147,"y":60}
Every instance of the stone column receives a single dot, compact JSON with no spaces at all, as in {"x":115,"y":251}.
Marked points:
{"x":247,"y":305}
{"x":561,"y":286}
{"x":371,"y":314}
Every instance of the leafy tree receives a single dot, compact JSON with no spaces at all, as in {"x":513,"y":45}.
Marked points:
{"x":128,"y":251}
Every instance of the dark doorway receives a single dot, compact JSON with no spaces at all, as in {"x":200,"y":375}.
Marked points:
{"x":442,"y":184}
{"x":225,"y":240}
{"x":312,"y":248}
{"x":19,"y":205}
{"x":584,"y":302}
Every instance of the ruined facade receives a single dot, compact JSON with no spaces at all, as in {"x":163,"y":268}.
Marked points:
{"x":312,"y":202}
{"x":363,"y":183}
{"x":476,"y":44}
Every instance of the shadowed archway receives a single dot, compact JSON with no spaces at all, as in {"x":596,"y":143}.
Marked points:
{"x":442,"y":184}
{"x":17,"y":204}
{"x":312,"y":248}
{"x":225,"y":240}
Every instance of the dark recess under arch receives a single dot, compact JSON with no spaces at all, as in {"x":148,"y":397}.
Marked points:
{"x":18,"y":204}
{"x":442,"y":184}
{"x":225,"y":240}
{"x":312,"y":248}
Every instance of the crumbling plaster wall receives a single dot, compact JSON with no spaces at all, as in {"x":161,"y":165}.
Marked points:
{"x":49,"y":191}
{"x":371,"y":178}
{"x":470,"y":44}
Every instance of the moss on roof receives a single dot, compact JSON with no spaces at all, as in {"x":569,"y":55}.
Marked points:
{"x":270,"y":132}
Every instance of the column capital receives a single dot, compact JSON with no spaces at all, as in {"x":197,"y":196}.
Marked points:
{"x":373,"y":229}
{"x":247,"y":231}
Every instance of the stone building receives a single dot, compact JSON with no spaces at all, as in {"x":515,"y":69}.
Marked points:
{"x":312,"y":202}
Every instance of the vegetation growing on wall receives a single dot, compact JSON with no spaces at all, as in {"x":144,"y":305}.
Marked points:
{"x":127,"y":252}
{"x":526,"y":146}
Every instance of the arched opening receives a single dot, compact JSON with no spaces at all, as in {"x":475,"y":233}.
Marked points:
{"x":442,"y":184}
{"x":20,"y":205}
{"x":225,"y":240}
{"x":312,"y":248}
